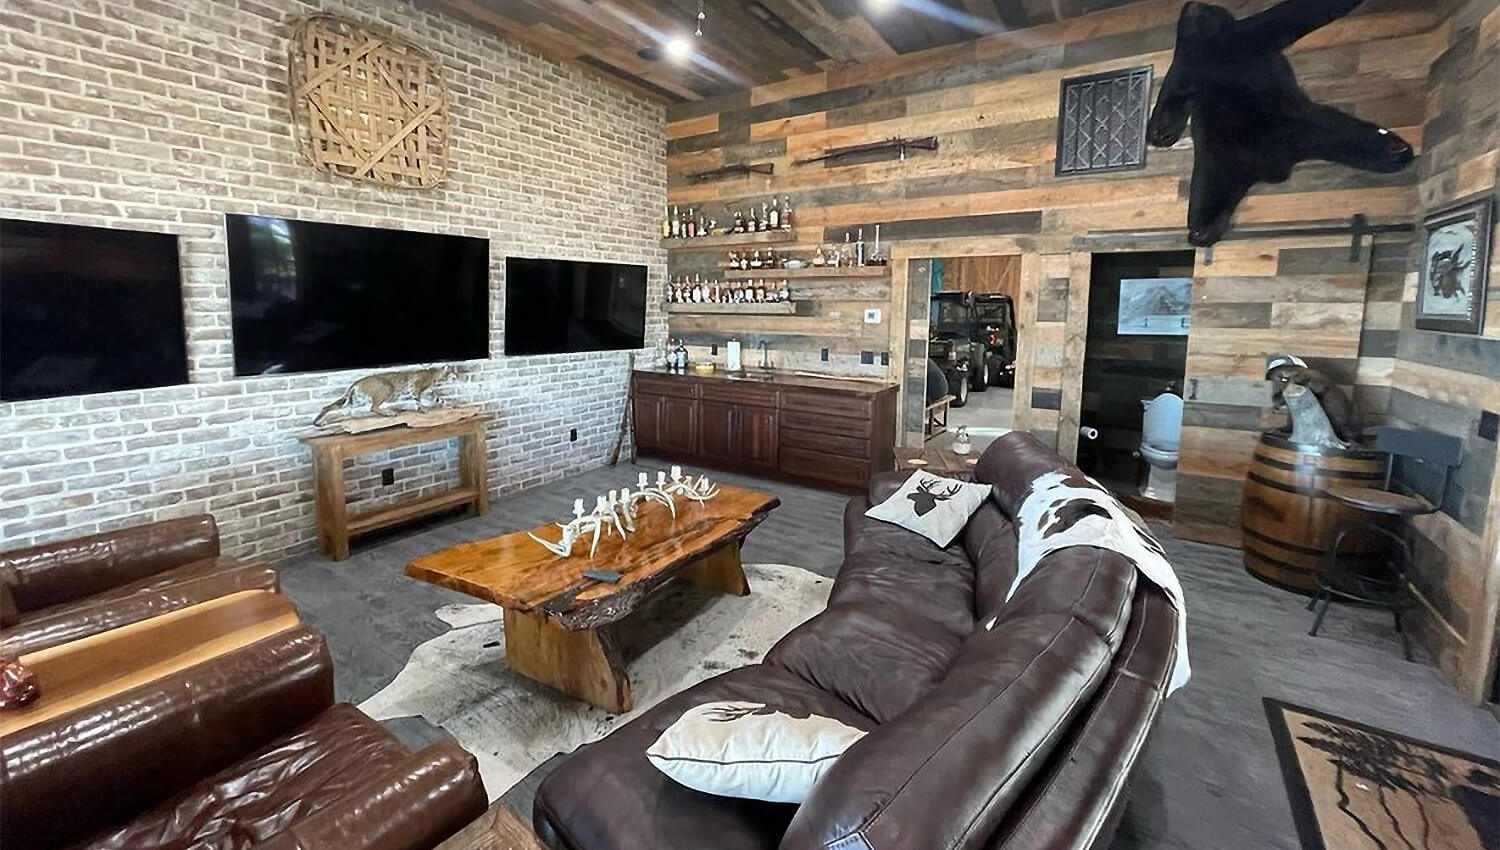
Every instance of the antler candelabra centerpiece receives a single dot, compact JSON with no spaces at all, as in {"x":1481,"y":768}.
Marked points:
{"x":616,"y":511}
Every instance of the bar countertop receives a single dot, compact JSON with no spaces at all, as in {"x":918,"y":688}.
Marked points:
{"x":776,"y":377}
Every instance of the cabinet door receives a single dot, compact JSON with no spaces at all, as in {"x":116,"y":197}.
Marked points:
{"x":647,"y":413}
{"x":679,"y":426}
{"x":755,"y":436}
{"x":716,"y":431}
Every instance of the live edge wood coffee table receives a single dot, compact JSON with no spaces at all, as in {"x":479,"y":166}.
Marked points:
{"x":559,"y":625}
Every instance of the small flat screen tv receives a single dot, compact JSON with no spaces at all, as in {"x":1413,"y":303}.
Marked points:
{"x":561,"y":306}
{"x":88,"y":310}
{"x":310,"y":297}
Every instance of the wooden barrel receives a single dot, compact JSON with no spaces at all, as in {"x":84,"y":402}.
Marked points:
{"x":1288,"y":519}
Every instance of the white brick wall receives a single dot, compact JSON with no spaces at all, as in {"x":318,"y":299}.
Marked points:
{"x":166,"y":116}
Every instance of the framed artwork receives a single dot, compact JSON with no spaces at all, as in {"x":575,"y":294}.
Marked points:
{"x":1155,"y":306}
{"x":1455,"y":268}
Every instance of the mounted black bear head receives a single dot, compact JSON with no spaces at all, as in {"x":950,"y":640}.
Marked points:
{"x":1251,"y":121}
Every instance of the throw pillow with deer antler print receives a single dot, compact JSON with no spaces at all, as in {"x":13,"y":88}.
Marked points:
{"x":935,"y":507}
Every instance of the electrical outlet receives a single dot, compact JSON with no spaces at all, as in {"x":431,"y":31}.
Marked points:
{"x":387,"y":477}
{"x":872,"y":316}
{"x":867,"y":358}
{"x":572,"y":435}
{"x":1489,"y":424}
{"x":885,"y":358}
{"x":825,"y":355}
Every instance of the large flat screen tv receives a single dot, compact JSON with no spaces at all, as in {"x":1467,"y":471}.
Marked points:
{"x":309,"y":297}
{"x":559,"y":306}
{"x":88,"y":310}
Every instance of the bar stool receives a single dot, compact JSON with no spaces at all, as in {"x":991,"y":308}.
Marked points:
{"x":1425,"y":456}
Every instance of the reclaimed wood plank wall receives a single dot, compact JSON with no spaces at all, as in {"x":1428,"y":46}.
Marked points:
{"x":1445,"y":381}
{"x":993,"y":104}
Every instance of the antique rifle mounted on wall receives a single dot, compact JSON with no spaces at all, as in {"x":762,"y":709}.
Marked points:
{"x":893,"y":145}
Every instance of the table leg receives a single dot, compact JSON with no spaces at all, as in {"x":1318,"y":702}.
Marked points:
{"x":333,"y":519}
{"x":719,"y":571}
{"x":472,"y":468}
{"x":583,"y":663}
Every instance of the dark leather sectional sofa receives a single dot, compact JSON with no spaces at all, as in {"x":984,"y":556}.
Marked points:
{"x":59,"y":592}
{"x":247,"y":750}
{"x":1021,"y":737}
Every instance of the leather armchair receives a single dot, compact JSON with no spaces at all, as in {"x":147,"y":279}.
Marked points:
{"x":246,"y":750}
{"x":1023,"y":736}
{"x":58,"y":592}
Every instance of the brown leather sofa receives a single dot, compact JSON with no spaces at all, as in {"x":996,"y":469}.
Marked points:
{"x":58,"y":592}
{"x":1022,"y":737}
{"x":247,"y":750}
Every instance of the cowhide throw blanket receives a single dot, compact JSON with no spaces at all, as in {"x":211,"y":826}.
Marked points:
{"x":1061,"y":511}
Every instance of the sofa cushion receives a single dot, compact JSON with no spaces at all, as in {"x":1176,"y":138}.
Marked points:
{"x":935,"y":507}
{"x":750,"y":750}
{"x":607,"y":796}
{"x":264,"y":793}
{"x":990,"y":542}
{"x":886,"y":565}
{"x":139,"y":600}
{"x":888,"y":658}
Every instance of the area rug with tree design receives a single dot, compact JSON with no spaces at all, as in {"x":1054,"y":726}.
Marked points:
{"x":1355,"y":787}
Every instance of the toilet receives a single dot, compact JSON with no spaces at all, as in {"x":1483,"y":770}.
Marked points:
{"x":1161,"y":431}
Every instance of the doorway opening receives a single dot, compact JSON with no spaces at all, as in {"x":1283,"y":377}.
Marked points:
{"x":972,"y":347}
{"x":1140,"y":307}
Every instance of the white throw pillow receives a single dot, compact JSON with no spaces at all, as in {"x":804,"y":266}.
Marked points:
{"x":935,"y":507}
{"x":746,"y":750}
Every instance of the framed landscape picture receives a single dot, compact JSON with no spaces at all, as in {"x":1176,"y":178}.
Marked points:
{"x":1455,"y":268}
{"x":1155,"y":306}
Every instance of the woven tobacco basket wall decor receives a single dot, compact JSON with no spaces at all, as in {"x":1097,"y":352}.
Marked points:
{"x":367,"y":105}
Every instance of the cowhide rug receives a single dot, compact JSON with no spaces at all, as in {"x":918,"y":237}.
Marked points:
{"x":459,"y":680}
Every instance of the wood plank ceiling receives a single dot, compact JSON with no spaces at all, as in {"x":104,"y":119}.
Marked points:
{"x":747,"y":43}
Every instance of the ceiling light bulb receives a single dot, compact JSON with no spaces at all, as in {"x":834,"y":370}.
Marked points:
{"x":679,"y":47}
{"x":878,"y":6}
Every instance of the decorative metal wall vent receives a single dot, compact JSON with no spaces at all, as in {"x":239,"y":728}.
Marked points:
{"x":1101,"y":122}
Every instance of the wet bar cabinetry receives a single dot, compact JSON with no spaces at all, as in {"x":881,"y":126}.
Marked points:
{"x":813,"y":430}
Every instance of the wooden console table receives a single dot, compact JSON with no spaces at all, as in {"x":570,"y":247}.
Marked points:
{"x":336,"y":525}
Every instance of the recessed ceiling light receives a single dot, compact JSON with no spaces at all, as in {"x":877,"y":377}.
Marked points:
{"x":679,"y":47}
{"x":879,"y":6}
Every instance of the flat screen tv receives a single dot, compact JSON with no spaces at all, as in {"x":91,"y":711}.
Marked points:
{"x":88,"y":310}
{"x":309,"y":297}
{"x":560,"y":306}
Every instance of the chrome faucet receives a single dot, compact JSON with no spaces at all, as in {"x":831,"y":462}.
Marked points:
{"x":765,"y":354}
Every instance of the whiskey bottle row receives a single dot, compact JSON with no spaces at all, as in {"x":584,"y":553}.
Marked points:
{"x":699,"y":291}
{"x":690,"y":223}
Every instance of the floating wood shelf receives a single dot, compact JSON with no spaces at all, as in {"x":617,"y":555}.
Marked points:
{"x":708,"y":243}
{"x":811,"y":273}
{"x":772,"y":308}
{"x":738,"y":170}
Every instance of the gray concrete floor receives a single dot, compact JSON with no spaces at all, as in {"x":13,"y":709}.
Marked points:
{"x":1210,"y":777}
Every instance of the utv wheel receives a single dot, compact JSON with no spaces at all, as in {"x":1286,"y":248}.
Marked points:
{"x":981,"y":379}
{"x":960,"y":390}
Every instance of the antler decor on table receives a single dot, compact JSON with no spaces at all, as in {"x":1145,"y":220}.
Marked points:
{"x":616,"y":511}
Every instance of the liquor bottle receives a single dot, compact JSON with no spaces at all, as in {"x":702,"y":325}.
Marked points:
{"x":734,"y":259}
{"x":859,"y":251}
{"x":751,"y":225}
{"x":771,"y":258}
{"x":775,"y":216}
{"x":739,"y":222}
{"x":676,"y":223}
{"x":756,"y":262}
{"x":760,"y":292}
{"x":666,"y":223}
{"x":765,"y":215}
{"x":691,"y":227}
{"x":745,"y":260}
{"x":698,"y":293}
{"x":786,"y":213}
{"x":702,"y":225}
{"x":714,"y":295}
{"x":818,"y":259}
{"x":679,"y":356}
{"x":784,"y":294}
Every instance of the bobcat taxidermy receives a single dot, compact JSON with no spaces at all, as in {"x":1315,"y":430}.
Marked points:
{"x":385,"y":387}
